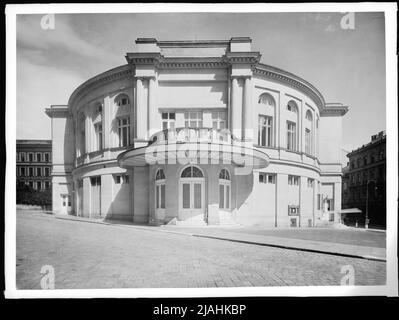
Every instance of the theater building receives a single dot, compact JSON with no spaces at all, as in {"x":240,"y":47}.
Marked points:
{"x":198,"y":133}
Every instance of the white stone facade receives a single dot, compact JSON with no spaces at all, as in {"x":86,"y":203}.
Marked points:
{"x":102,"y":138}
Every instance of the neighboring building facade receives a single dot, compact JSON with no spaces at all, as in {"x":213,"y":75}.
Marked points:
{"x":34,"y":163}
{"x":365,"y":180}
{"x":198,"y":132}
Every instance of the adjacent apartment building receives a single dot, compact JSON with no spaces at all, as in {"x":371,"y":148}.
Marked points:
{"x":365,"y":181}
{"x":34,"y":163}
{"x":200,"y":133}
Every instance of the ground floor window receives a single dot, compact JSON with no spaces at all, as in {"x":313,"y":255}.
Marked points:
{"x":224,"y":189}
{"x":160,"y":190}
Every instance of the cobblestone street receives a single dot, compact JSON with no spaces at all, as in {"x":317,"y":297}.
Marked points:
{"x":88,"y":255}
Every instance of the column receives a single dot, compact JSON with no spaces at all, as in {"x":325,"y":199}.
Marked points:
{"x":107,"y":120}
{"x":142,"y":110}
{"x":152,"y":109}
{"x":235,"y":110}
{"x":247,"y":112}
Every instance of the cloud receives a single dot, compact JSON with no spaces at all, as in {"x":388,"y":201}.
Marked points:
{"x":31,"y":37}
{"x":330,"y":28}
{"x":38,"y":87}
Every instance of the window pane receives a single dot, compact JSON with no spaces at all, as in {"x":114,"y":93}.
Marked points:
{"x":221,"y":196}
{"x":197,"y":196}
{"x":186,"y":195}
{"x":162,"y":196}
{"x":227,"y":197}
{"x":157,"y":197}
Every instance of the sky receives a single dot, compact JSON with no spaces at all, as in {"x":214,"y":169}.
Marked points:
{"x":346,"y":65}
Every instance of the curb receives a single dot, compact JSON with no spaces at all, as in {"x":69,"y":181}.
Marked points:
{"x":346,"y":255}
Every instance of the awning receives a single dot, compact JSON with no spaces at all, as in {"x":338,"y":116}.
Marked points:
{"x":195,"y":153}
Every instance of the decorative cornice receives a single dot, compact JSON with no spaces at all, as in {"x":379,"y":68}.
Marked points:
{"x":58,"y":111}
{"x":139,"y":58}
{"x":243,"y":57}
{"x":101,"y":79}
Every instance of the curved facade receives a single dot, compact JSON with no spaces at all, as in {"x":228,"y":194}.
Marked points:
{"x":198,"y":132}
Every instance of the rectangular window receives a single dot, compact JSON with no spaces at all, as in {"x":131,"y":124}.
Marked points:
{"x":219,"y":120}
{"x":308,"y":142}
{"x":168,"y":120}
{"x":121,"y":178}
{"x":95,"y":181}
{"x":22,"y":157}
{"x":124,"y":131}
{"x":265,"y":131}
{"x":268,"y":178}
{"x":318,"y":201}
{"x":98,"y":128}
{"x":30,"y":184}
{"x":193,"y":119}
{"x":291,"y":136}
{"x":22,"y":171}
{"x":38,"y":157}
{"x":30,"y":170}
{"x":47,"y":157}
{"x":47,"y":171}
{"x":47,"y":185}
{"x":310,"y":183}
{"x":39,"y":172}
{"x":30,"y":157}
{"x":293,"y":180}
{"x":38,"y":185}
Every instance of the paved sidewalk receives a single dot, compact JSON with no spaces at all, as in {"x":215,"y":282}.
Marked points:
{"x":290,"y":239}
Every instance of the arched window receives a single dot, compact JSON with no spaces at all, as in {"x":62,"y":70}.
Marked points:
{"x":98,"y":127}
{"x":224,"y":174}
{"x":292,"y":106}
{"x":309,"y":133}
{"x":224,"y":190}
{"x":160,"y":190}
{"x":122,"y":100}
{"x":266,"y":108}
{"x":160,"y":175}
{"x":292,"y":126}
{"x":192,"y":172}
{"x":82,"y":134}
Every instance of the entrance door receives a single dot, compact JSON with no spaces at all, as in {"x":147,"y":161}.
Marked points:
{"x":66,"y":205}
{"x":95,"y":196}
{"x":192,"y":196}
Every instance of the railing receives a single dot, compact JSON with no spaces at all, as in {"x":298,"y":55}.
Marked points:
{"x":190,"y":134}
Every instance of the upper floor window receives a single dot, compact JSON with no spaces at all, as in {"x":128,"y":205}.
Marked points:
{"x":310,"y":183}
{"x":372,"y":158}
{"x":121,"y":178}
{"x":82,"y":134}
{"x":22,"y":171}
{"x":292,"y":106}
{"x":192,"y":172}
{"x":265,"y":131}
{"x":365,"y":161}
{"x":168,"y":120}
{"x":47,"y":157}
{"x":22,"y":157}
{"x":381,"y":155}
{"x":124,"y":131}
{"x":308,"y":141}
{"x":39,"y":172}
{"x":219,"y":120}
{"x":47,"y":171}
{"x":30,"y":171}
{"x":38,"y":157}
{"x":98,"y":129}
{"x":193,"y":119}
{"x":291,"y":136}
{"x":269,"y":178}
{"x":122,"y":100}
{"x":224,"y":175}
{"x":293,"y":180}
{"x":358,"y":162}
{"x":30,"y":157}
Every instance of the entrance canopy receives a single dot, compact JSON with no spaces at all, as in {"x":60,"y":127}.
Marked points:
{"x":195,"y":146}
